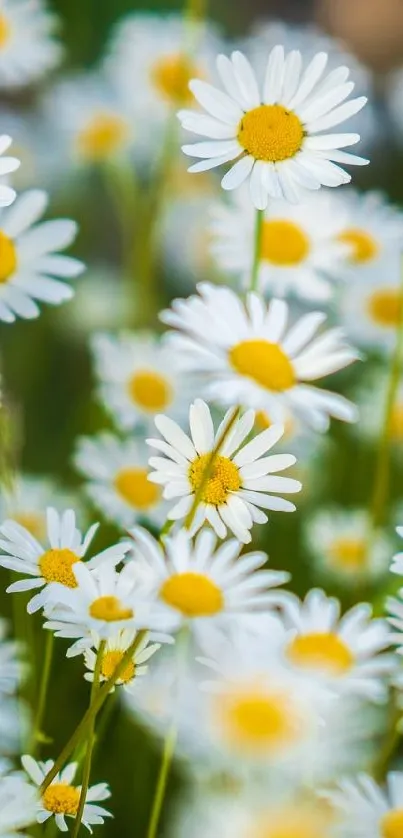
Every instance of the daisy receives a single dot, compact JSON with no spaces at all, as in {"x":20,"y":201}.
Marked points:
{"x":18,"y":806}
{"x":115,"y":648}
{"x":272,"y":131}
{"x":367,"y":811}
{"x":370,"y":228}
{"x":137,"y":379}
{"x":241,"y":477}
{"x":370,"y":307}
{"x":7,"y":165}
{"x":299,"y":250}
{"x":31,"y":146}
{"x":185,"y":241}
{"x":118,"y":479}
{"x":27,"y":501}
{"x":30,"y":265}
{"x":249,"y":356}
{"x":22,"y":553}
{"x":28,"y":47}
{"x":201,"y":585}
{"x":338,"y":542}
{"x":61,"y":798}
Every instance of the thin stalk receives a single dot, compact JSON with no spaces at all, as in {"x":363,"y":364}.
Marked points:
{"x":209,"y":466}
{"x":121,"y":184}
{"x":90,"y":744}
{"x":259,"y":218}
{"x":43,"y":691}
{"x":92,"y":712}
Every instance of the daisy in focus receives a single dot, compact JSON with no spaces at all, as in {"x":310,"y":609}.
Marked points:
{"x":241,"y":478}
{"x":274,"y":132}
{"x":31,"y":269}
{"x":115,"y":648}
{"x":22,"y":553}
{"x":299,"y":250}
{"x":18,"y":806}
{"x":27,"y":502}
{"x":137,"y":379}
{"x":370,"y":308}
{"x":118,"y":479}
{"x":7,"y":165}
{"x":61,"y":798}
{"x":338,"y":542}
{"x":365,"y":810}
{"x":250,"y":355}
{"x":28,"y":46}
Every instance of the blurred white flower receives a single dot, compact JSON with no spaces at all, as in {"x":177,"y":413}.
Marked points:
{"x":28,"y":46}
{"x":186,"y":239}
{"x":369,"y":306}
{"x":371,"y":229}
{"x":364,"y":810}
{"x":27,"y":500}
{"x":7,"y":165}
{"x":18,"y":806}
{"x":372,"y":411}
{"x":39,"y":159}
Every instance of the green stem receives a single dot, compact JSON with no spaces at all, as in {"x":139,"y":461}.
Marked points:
{"x":259,"y":218}
{"x":90,"y":744}
{"x":167,"y":757}
{"x":92,"y":712}
{"x":43,"y":690}
{"x":166,"y":529}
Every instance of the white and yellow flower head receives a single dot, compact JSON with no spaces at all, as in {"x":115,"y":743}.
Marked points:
{"x":55,"y":563}
{"x":118,"y":479}
{"x":28,"y":499}
{"x":364,"y":810}
{"x":273,"y":131}
{"x":338,"y":542}
{"x":137,"y":379}
{"x":202,"y":586}
{"x":7,"y":165}
{"x":242,"y":481}
{"x":371,"y":229}
{"x":18,"y":805}
{"x":299,"y":250}
{"x":251,"y":355}
{"x":61,"y":798}
{"x":31,"y":269}
{"x":113,"y":653}
{"x":28,"y":46}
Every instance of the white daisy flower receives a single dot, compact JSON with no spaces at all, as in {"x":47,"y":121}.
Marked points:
{"x":299,"y":251}
{"x":364,"y":810}
{"x":273,"y":131}
{"x":115,"y":648}
{"x":338,"y":542}
{"x":18,"y":806}
{"x":31,"y":267}
{"x":241,"y":478}
{"x":118,"y":479}
{"x":7,"y":165}
{"x":61,"y":798}
{"x":27,"y":501}
{"x":28,"y":47}
{"x":370,"y":228}
{"x":203,"y":586}
{"x":22,"y":553}
{"x":249,"y":356}
{"x":137,"y":379}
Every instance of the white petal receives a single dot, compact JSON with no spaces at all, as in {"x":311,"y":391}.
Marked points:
{"x":238,"y":173}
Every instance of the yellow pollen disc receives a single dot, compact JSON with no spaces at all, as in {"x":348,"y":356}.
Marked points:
{"x":150,"y":391}
{"x":255,"y":720}
{"x":270,"y":133}
{"x":396,"y":422}
{"x":349,"y":553}
{"x":33,"y":522}
{"x":103,"y":135}
{"x":133,"y":485}
{"x":363,"y":247}
{"x":56,"y":566}
{"x":171,"y":76}
{"x":392,"y":824}
{"x":283,"y":243}
{"x":5,"y":31}
{"x":223,"y":478}
{"x":8,"y":257}
{"x":264,"y":362}
{"x":109,"y":609}
{"x":61,"y":799}
{"x":384,"y":307}
{"x":193,"y":594}
{"x":321,"y":650}
{"x":109,"y":663}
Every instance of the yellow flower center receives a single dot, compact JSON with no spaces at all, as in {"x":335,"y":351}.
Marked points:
{"x":283,"y":243}
{"x":56,"y":566}
{"x":223,"y":478}
{"x":256,"y":720}
{"x":193,"y":594}
{"x":171,"y":76}
{"x":363,"y":247}
{"x":150,"y":391}
{"x":396,"y":422}
{"x":135,"y":488}
{"x":103,"y":136}
{"x":321,"y":650}
{"x":392,"y":824}
{"x":8,"y":257}
{"x":5,"y":31}
{"x":109,"y":663}
{"x":33,"y":522}
{"x":270,"y":133}
{"x":385,"y":307}
{"x":349,"y":553}
{"x":61,"y":799}
{"x":298,"y":823}
{"x":109,"y":609}
{"x":264,"y":362}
